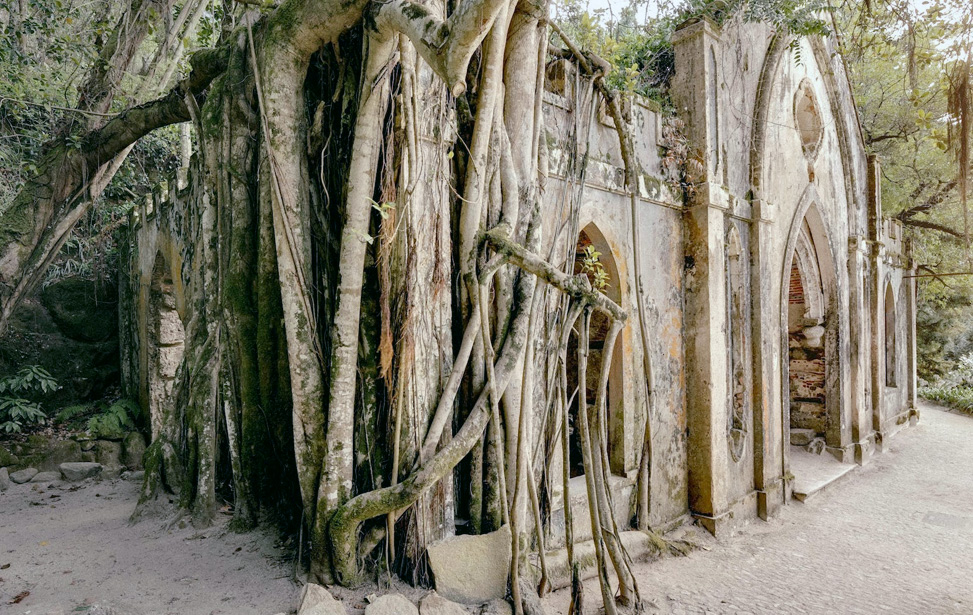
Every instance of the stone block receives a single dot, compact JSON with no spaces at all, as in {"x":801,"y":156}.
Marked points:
{"x":22,"y":476}
{"x":108,"y":453}
{"x":133,"y":450}
{"x":497,"y":607}
{"x":816,"y":446}
{"x":802,"y":437}
{"x":7,"y":458}
{"x":316,"y":600}
{"x":434,"y":604}
{"x":471,"y":569}
{"x":80,"y":470}
{"x":391,"y":604}
{"x":4,"y":479}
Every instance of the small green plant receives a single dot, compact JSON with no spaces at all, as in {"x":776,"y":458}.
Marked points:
{"x":591,"y":265}
{"x":115,"y":420}
{"x":19,"y":392}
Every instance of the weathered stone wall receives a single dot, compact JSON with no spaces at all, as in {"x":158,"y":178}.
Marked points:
{"x":783,"y":156}
{"x":765,"y":286}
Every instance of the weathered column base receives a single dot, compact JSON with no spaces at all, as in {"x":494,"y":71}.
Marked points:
{"x":865,"y":449}
{"x":844,"y":454}
{"x":770,"y":499}
{"x":738,"y":513}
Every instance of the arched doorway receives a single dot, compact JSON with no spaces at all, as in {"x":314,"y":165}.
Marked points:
{"x":593,"y":256}
{"x":166,"y":340}
{"x":812,"y":398}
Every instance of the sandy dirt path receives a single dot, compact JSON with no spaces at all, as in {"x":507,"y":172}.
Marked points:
{"x":894,"y":536}
{"x":76,"y":552}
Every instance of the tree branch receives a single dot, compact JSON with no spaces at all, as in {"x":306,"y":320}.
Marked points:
{"x":938,"y":197}
{"x":446,"y":45}
{"x":933,"y":226}
{"x":103,"y":144}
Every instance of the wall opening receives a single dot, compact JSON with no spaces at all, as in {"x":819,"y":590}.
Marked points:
{"x":807,"y":116}
{"x":167,"y":339}
{"x":808,"y":355}
{"x":890,"y":358}
{"x":590,"y":239}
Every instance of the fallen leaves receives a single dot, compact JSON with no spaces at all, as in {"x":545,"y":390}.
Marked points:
{"x":19,"y":597}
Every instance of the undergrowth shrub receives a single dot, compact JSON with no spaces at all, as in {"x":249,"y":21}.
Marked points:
{"x":20,"y":395}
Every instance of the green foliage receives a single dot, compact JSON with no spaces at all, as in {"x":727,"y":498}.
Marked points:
{"x":32,"y":379}
{"x":959,"y":397}
{"x":114,"y":420}
{"x":901,"y":57}
{"x":101,"y":419}
{"x":19,"y":407}
{"x":591,"y":265}
{"x":71,"y":412}
{"x":640,"y":49}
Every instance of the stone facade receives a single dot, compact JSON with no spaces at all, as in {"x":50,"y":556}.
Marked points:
{"x":779,"y":299}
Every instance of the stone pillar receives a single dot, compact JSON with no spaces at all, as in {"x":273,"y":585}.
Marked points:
{"x":876,"y":313}
{"x":695,"y":95}
{"x":706,"y":364}
{"x":910,"y":307}
{"x":861,"y":428}
{"x":768,"y":445}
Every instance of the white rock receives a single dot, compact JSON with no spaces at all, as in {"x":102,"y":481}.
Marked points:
{"x":79,"y":470}
{"x":22,"y":476}
{"x":472,"y":569}
{"x":434,"y":604}
{"x":497,"y":607}
{"x":391,"y":604}
{"x":316,"y":600}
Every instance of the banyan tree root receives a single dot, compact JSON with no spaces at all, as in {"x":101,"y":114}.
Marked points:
{"x":594,"y":510}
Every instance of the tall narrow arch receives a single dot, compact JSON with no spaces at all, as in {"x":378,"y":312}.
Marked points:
{"x":890,"y":349}
{"x":166,"y":340}
{"x":592,"y":240}
{"x":810,"y":322}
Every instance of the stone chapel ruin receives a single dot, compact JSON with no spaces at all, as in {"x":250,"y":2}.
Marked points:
{"x":780,"y":303}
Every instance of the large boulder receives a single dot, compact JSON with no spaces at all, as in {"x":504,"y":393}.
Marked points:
{"x":472,"y":569}
{"x":83,"y":310}
{"x":22,"y":476}
{"x":316,"y":600}
{"x":80,"y":470}
{"x":4,"y":479}
{"x":84,"y":370}
{"x":391,"y":604}
{"x":434,"y":604}
{"x":133,"y":450}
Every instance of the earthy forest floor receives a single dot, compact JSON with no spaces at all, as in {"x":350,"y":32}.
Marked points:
{"x":894,"y":537}
{"x":72,"y":547}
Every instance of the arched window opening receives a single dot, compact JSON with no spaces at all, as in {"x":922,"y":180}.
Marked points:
{"x":166,"y":340}
{"x":807,"y":116}
{"x":890,"y":364}
{"x":594,"y":258}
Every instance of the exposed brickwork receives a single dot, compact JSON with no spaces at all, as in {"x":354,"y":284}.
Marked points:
{"x":796,"y":294}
